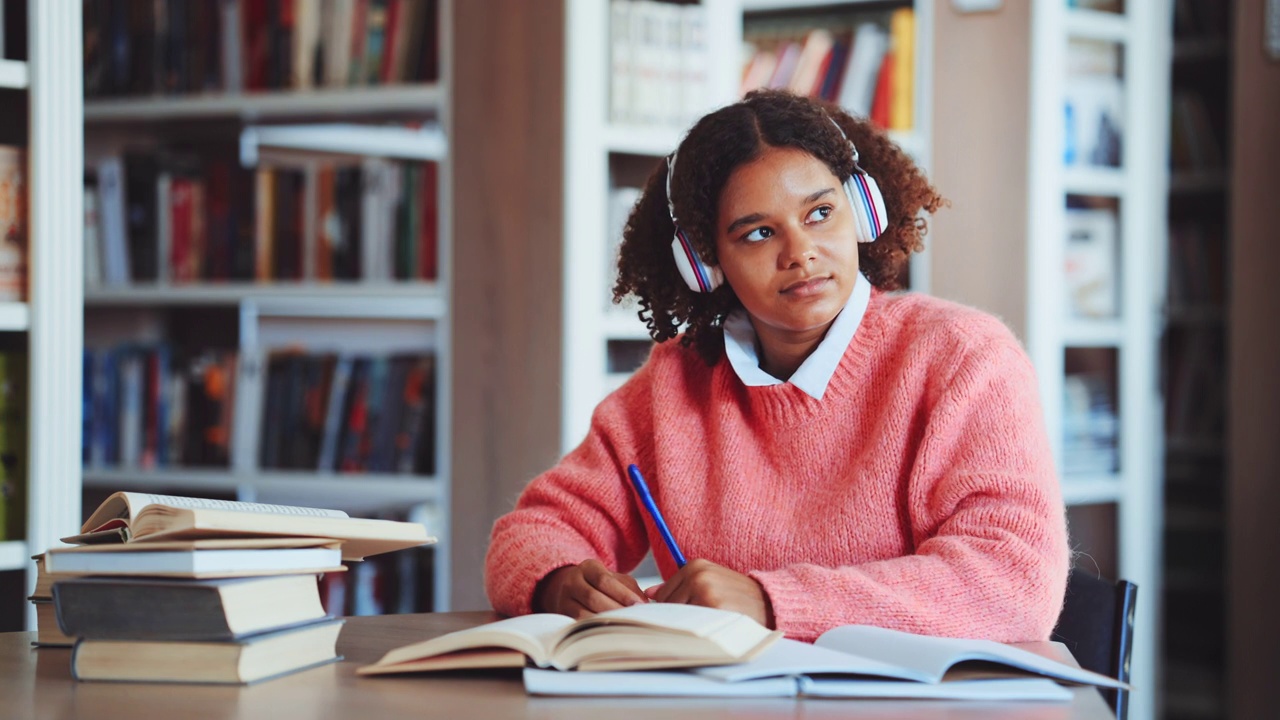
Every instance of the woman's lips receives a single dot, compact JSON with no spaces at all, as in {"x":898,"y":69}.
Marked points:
{"x":806,"y":288}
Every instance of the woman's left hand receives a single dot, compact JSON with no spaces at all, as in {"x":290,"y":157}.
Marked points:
{"x":702,"y":582}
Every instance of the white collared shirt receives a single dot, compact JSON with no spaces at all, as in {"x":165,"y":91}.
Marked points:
{"x":814,"y":374}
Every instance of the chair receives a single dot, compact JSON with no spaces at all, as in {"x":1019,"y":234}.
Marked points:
{"x":1096,"y":625}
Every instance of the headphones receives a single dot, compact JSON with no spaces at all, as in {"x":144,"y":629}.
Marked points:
{"x":869,"y":216}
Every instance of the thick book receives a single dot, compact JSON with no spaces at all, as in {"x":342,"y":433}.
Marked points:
{"x":211,"y":558}
{"x":239,"y":662}
{"x":126,"y":517}
{"x":853,"y":661}
{"x":639,"y":637}
{"x":153,"y":609}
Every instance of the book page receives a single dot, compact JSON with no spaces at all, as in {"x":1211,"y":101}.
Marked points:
{"x":529,"y":634}
{"x":1020,"y":689}
{"x":792,"y":657}
{"x":673,"y":617}
{"x":933,"y":656}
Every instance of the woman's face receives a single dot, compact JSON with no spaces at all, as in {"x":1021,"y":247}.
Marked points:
{"x":785,"y":241}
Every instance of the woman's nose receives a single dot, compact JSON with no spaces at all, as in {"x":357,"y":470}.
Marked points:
{"x":797,"y":249}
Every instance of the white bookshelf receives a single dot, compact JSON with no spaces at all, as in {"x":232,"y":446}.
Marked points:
{"x":426,"y":98}
{"x":51,"y":316}
{"x":401,"y":122}
{"x":1137,"y":187}
{"x":13,"y":74}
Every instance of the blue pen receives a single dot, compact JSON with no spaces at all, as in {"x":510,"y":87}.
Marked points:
{"x":637,"y":481}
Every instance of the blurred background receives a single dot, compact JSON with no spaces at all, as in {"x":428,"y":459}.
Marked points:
{"x":359,"y":254}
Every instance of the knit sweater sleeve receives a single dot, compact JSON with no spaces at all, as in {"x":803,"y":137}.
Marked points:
{"x":578,"y":510}
{"x":986,"y":520}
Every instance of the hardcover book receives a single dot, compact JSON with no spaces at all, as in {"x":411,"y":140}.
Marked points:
{"x":154,"y":609}
{"x":239,"y":662}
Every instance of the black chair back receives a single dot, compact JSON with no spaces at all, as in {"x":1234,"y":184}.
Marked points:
{"x":1096,"y":625}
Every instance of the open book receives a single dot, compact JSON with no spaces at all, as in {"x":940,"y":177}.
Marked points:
{"x":140,"y":517}
{"x":852,"y":661}
{"x":654,"y":635}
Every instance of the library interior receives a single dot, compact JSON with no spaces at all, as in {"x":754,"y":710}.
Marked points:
{"x":360,"y":256}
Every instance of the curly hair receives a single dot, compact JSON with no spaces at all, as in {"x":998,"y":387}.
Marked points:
{"x":716,"y":146}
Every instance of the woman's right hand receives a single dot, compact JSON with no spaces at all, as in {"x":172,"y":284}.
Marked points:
{"x":586,"y":589}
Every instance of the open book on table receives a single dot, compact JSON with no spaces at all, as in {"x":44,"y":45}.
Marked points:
{"x":127,"y":517}
{"x":654,"y":635}
{"x":851,"y":661}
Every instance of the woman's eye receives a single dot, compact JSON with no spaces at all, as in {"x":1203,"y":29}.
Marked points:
{"x":819,"y":214}
{"x":760,"y":233}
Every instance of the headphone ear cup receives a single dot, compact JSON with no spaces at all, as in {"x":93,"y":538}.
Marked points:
{"x":870,"y":216}
{"x":699,"y":276}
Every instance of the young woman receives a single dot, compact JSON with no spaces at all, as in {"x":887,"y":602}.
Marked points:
{"x":824,"y":452}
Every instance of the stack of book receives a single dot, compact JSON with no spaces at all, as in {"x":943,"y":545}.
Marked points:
{"x":170,"y":589}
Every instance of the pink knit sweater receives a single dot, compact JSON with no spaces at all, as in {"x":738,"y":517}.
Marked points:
{"x":919,"y":494}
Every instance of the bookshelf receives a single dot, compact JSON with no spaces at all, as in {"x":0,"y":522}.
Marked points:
{"x":47,"y":326}
{"x":609,"y":153}
{"x":377,"y":308}
{"x":1096,"y":354}
{"x":1197,"y":331}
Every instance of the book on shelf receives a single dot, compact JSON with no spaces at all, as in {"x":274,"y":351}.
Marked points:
{"x":657,"y":63}
{"x":14,"y":444}
{"x":1090,"y":263}
{"x":1094,"y":103}
{"x":639,"y":637}
{"x":246,"y":660}
{"x":152,"y":405}
{"x":199,"y":559}
{"x":133,"y":608}
{"x":1091,"y":429}
{"x":126,"y":517}
{"x":853,"y":61}
{"x":858,"y":89}
{"x":902,"y":40}
{"x":13,"y":223}
{"x":332,"y":412}
{"x":185,"y":214}
{"x":232,"y":46}
{"x":394,"y":583}
{"x":850,"y":661}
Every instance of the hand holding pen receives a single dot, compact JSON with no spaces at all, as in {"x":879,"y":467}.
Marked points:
{"x":701,"y":582}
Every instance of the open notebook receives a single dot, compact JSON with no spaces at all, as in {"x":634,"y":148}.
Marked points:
{"x":849,"y":661}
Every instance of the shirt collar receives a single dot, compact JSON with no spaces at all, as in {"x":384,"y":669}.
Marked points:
{"x":814,"y":374}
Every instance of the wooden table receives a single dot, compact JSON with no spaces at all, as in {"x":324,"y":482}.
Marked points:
{"x":36,"y":684}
